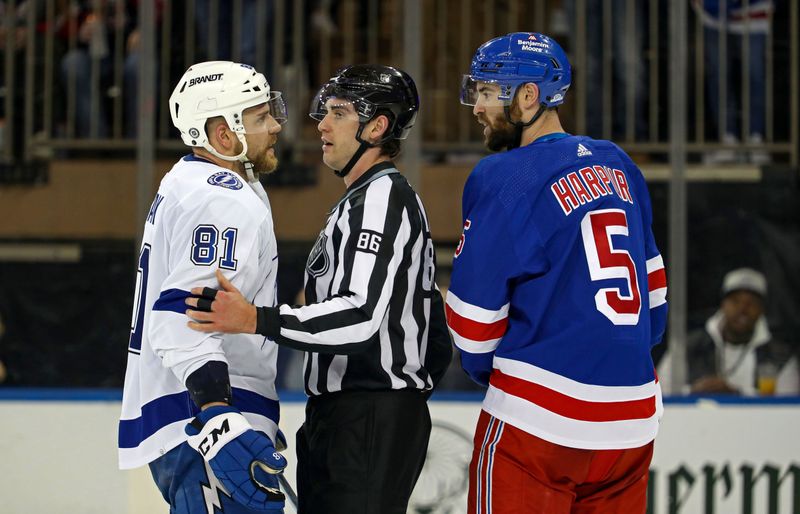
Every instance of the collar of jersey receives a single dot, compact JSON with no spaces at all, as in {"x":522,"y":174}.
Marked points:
{"x":196,"y":158}
{"x":374,"y":173}
{"x":551,"y":137}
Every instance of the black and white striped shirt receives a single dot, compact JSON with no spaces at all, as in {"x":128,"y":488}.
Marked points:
{"x":374,"y":318}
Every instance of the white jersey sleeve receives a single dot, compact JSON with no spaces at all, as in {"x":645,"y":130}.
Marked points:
{"x":209,"y":231}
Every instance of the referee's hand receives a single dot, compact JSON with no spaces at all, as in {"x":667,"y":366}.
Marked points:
{"x":224,"y":310}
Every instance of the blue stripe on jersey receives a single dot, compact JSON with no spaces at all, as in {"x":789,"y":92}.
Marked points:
{"x":551,"y":137}
{"x":173,"y":300}
{"x":179,"y":406}
{"x":195,"y":158}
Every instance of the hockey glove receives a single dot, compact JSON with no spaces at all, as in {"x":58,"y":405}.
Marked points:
{"x":244,"y":461}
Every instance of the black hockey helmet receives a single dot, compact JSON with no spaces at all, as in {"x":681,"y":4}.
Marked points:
{"x":373,"y":89}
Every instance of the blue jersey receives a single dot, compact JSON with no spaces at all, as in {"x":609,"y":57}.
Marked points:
{"x":558,"y":292}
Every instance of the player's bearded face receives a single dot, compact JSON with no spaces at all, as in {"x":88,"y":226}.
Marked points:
{"x":262,"y":154}
{"x":261,"y":133}
{"x":499,"y":133}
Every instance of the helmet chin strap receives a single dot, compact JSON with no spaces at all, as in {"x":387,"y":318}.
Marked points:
{"x":519,"y":127}
{"x":363,"y":147}
{"x":242,"y":157}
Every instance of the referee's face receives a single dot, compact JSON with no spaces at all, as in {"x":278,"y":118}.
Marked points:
{"x":338,"y":133}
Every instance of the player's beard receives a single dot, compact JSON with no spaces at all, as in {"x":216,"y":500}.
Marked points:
{"x":501,"y":133}
{"x":265,"y":162}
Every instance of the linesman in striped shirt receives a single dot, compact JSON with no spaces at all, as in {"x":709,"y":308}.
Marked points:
{"x":373,"y":325}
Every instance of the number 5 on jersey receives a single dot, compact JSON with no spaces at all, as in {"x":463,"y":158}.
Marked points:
{"x":607,"y":262}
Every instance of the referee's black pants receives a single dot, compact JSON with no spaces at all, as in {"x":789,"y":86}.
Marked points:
{"x":361,"y":452}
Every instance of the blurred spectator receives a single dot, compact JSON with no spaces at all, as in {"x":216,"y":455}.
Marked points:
{"x":737,"y":19}
{"x":22,"y":31}
{"x":626,"y":67}
{"x":735,"y":352}
{"x":89,"y":29}
{"x":250,"y":30}
{"x":86,"y":30}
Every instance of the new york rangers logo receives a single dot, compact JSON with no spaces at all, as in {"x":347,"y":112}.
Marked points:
{"x":225,"y":179}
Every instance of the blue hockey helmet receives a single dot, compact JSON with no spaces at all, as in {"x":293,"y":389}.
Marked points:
{"x":515,"y":59}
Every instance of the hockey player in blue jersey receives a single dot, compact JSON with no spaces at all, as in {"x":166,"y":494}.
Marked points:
{"x":558,"y":293}
{"x":201,"y":409}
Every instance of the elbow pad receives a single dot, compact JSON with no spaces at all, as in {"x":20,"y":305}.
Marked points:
{"x":210,"y":383}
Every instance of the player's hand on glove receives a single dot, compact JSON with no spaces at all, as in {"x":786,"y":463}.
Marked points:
{"x":243,"y":460}
{"x":224,"y":310}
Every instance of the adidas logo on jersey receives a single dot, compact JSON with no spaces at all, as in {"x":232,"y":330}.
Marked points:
{"x":583,"y":151}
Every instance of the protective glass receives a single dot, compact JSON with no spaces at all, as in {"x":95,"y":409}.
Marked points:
{"x":330,"y":95}
{"x":256,"y":118}
{"x":277,"y":107}
{"x":487,"y":92}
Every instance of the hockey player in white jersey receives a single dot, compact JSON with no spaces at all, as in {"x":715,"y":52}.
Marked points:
{"x":201,"y":409}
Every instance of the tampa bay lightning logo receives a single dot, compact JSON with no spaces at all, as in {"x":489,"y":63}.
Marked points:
{"x":318,"y":262}
{"x":225,"y":179}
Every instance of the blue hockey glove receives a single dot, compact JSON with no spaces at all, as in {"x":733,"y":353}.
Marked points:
{"x":244,"y":461}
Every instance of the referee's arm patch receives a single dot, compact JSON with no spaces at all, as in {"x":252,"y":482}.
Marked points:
{"x":369,"y":241}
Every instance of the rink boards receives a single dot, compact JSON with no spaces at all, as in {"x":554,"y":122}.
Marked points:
{"x":59,"y":455}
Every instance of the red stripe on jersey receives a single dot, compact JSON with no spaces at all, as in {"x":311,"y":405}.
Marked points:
{"x":475,"y":330}
{"x":570,"y":407}
{"x":656,"y":279}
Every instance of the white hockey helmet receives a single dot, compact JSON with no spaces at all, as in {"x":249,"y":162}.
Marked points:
{"x":220,"y":88}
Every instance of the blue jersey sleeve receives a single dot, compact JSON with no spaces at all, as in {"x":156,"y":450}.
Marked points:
{"x":656,"y":272}
{"x":486,"y":264}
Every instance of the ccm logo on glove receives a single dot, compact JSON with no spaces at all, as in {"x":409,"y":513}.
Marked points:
{"x":205,"y":445}
{"x":217,"y":432}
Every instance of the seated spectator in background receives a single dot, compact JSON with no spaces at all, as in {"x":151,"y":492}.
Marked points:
{"x":735,"y":353}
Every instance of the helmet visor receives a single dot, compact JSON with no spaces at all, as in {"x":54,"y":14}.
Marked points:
{"x":277,"y":107}
{"x":332,"y":96}
{"x":262,"y":116}
{"x":487,"y":93}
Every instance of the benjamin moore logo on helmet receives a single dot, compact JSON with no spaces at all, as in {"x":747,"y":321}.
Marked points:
{"x":225,"y":179}
{"x":205,"y":78}
{"x":534,"y":46}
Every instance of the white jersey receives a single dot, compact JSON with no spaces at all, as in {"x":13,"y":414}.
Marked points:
{"x":204,"y":217}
